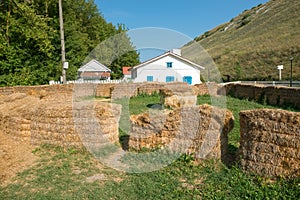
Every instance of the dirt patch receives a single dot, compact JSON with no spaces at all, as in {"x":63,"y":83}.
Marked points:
{"x":15,"y":157}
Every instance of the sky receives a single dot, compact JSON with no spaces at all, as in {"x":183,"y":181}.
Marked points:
{"x":173,"y":23}
{"x":190,"y":17}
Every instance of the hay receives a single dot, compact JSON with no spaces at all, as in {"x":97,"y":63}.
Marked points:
{"x":199,"y":130}
{"x":270,"y":142}
{"x":50,"y":119}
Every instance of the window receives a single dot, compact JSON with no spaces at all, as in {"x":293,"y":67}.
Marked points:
{"x":169,"y":79}
{"x":150,"y":78}
{"x":169,"y":64}
{"x":188,"y":79}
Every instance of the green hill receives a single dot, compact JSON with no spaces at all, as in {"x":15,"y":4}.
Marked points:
{"x":251,"y":45}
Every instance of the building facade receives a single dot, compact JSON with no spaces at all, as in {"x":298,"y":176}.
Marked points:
{"x":94,"y":70}
{"x":168,"y":67}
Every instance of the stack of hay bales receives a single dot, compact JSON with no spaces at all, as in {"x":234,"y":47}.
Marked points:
{"x":16,"y":111}
{"x":207,"y":89}
{"x":270,"y":142}
{"x":53,"y":118}
{"x":150,"y":88}
{"x":53,"y":124}
{"x":177,"y":95}
{"x":104,"y":90}
{"x":198,"y":130}
{"x":124,"y":90}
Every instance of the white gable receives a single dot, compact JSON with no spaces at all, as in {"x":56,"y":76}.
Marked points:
{"x":94,"y":66}
{"x":167,"y":67}
{"x":169,"y":54}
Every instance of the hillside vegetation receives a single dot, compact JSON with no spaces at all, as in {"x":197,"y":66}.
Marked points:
{"x":251,"y":45}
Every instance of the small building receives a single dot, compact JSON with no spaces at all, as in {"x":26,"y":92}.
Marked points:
{"x":126,"y":72}
{"x":94,"y":70}
{"x":168,"y":67}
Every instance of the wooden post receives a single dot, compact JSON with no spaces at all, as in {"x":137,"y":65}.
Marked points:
{"x":62,"y":40}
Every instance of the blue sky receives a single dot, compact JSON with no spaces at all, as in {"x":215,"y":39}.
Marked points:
{"x":189,"y":17}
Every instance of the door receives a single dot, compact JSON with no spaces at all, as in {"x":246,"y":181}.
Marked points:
{"x":188,"y":79}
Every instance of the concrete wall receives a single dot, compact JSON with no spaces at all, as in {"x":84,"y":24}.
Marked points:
{"x":281,"y":96}
{"x":270,"y":142}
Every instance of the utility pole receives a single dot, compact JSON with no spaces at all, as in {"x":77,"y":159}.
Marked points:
{"x":62,"y":40}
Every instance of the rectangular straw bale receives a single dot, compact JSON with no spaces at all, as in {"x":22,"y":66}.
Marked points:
{"x":270,"y":138}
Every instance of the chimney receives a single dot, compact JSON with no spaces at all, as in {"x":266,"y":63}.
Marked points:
{"x":176,"y":51}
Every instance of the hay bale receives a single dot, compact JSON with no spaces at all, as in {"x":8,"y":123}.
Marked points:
{"x":199,"y":130}
{"x":270,"y":142}
{"x":178,"y":95}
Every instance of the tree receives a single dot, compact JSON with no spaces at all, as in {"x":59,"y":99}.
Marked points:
{"x":30,"y":42}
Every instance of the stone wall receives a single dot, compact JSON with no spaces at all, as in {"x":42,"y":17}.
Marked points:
{"x":281,"y":96}
{"x":270,"y":142}
{"x":199,"y":130}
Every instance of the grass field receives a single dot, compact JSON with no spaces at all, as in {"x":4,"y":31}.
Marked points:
{"x":75,"y":174}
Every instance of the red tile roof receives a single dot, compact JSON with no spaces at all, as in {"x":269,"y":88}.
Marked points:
{"x":125,"y":70}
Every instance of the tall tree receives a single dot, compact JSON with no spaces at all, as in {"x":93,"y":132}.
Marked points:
{"x":30,"y":43}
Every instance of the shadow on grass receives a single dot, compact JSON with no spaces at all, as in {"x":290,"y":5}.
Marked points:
{"x":231,"y":157}
{"x":155,"y":106}
{"x":124,"y":141}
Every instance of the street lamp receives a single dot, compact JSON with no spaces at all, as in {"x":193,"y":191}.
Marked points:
{"x":291,"y":78}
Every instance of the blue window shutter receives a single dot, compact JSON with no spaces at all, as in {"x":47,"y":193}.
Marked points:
{"x":170,"y":79}
{"x":187,"y":79}
{"x":169,"y":64}
{"x":150,"y":78}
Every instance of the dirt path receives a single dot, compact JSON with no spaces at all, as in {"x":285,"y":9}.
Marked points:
{"x":15,"y":157}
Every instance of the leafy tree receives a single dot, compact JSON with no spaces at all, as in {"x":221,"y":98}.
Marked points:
{"x":30,"y":42}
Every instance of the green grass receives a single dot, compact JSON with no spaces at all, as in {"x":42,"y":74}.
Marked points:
{"x":133,"y":106}
{"x":235,"y":106}
{"x":63,"y":174}
{"x":143,"y":103}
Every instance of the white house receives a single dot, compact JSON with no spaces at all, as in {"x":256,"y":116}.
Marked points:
{"x":168,"y":67}
{"x":94,"y":70}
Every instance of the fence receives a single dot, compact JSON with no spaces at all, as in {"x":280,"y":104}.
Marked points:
{"x":88,"y":81}
{"x":273,"y":83}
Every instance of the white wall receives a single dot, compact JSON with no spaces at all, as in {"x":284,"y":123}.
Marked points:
{"x":158,"y":69}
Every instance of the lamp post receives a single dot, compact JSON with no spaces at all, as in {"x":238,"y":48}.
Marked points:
{"x":291,"y":78}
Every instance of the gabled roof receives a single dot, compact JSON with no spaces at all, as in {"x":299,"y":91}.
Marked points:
{"x":126,"y":70}
{"x":169,"y":53}
{"x":94,"y":66}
